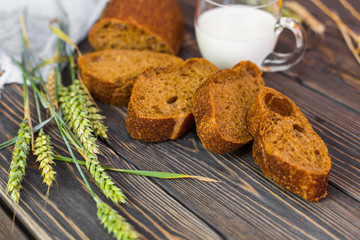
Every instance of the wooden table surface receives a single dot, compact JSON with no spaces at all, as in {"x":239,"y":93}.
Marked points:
{"x":245,"y":204}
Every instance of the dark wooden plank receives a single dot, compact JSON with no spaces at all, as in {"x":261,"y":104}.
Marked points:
{"x":328,"y":66}
{"x":329,"y":73}
{"x":245,"y":204}
{"x":252,"y":202}
{"x":52,"y":218}
{"x":327,"y":69}
{"x":189,"y":47}
{"x":70,"y":212}
{"x":9,"y":229}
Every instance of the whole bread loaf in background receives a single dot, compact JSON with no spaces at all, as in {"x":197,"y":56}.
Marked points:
{"x":110,"y":74}
{"x":286,"y":147}
{"x":220,"y":106}
{"x":155,"y":25}
{"x":160,"y":104}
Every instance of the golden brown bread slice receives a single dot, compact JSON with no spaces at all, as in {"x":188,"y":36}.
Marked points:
{"x":155,"y":25}
{"x":269,"y":100}
{"x":110,"y":74}
{"x":220,"y":106}
{"x":287,"y":148}
{"x":160,"y":104}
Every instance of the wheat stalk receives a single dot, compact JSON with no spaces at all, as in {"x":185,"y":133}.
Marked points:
{"x":50,"y":87}
{"x":96,"y":119}
{"x":306,"y":17}
{"x":351,"y":9}
{"x":76,"y":116}
{"x":43,"y":151}
{"x":350,"y":37}
{"x":103,"y":180}
{"x":69,"y":102}
{"x":18,"y":162}
{"x":114,"y":223}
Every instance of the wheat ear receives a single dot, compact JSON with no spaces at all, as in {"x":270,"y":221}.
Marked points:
{"x":114,"y":223}
{"x":76,"y":116}
{"x":96,"y":119}
{"x":50,"y":87}
{"x":18,"y":162}
{"x":103,"y":180}
{"x":43,"y":151}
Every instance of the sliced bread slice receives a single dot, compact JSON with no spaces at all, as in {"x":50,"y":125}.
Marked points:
{"x":220,"y":106}
{"x":110,"y":74}
{"x":269,"y":100}
{"x":286,"y":147}
{"x":154,"y":25}
{"x":160,"y":104}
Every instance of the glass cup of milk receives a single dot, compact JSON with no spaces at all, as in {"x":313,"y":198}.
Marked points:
{"x":230,"y":31}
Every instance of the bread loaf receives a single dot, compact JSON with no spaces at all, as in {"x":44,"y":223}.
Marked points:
{"x":155,"y":25}
{"x":220,"y":106}
{"x":110,"y":74}
{"x":160,"y":104}
{"x":286,"y":147}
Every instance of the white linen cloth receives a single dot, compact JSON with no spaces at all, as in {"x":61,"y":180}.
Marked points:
{"x":78,"y":16}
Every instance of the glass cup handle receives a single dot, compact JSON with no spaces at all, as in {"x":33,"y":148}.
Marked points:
{"x":282,"y":61}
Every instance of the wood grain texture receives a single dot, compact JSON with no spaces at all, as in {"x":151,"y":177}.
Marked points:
{"x":244,"y":204}
{"x":328,"y":66}
{"x":257,"y":207}
{"x":9,"y":229}
{"x":70,"y":212}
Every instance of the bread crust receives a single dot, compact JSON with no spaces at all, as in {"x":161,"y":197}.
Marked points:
{"x":116,"y":90}
{"x":162,"y":127}
{"x":259,"y":108}
{"x":310,"y":185}
{"x":160,"y":18}
{"x":294,"y":171}
{"x":156,"y":129}
{"x":254,"y":115}
{"x":207,"y":126}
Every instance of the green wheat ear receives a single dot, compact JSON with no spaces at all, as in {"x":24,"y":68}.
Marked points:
{"x":103,"y":180}
{"x":96,"y":119}
{"x":76,"y":116}
{"x":50,"y":87}
{"x":115,"y":223}
{"x":18,"y":162}
{"x":45,"y":157}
